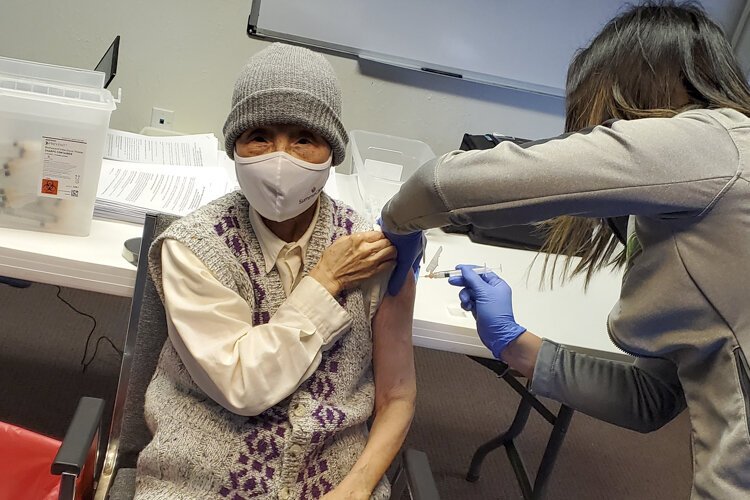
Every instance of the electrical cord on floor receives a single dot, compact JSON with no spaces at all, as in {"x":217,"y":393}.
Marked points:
{"x":85,"y":364}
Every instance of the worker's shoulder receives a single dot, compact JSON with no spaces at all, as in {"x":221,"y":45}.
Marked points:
{"x":698,"y":131}
{"x":726,"y":118}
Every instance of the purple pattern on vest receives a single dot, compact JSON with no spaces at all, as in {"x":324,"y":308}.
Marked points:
{"x":329,"y":419}
{"x":342,"y":219}
{"x":227,"y":228}
{"x":263,"y":443}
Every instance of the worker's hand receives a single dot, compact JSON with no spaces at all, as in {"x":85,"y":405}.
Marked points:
{"x":352,"y":259}
{"x":489,"y":298}
{"x":410,"y":248}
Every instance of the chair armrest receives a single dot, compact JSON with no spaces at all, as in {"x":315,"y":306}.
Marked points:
{"x":83,"y":428}
{"x":421,"y":483}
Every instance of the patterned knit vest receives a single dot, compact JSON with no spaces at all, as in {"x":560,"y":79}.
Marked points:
{"x":300,"y":448}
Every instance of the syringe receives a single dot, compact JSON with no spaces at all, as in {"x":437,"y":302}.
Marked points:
{"x":457,"y":272}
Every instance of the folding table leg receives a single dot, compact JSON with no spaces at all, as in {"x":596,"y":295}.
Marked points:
{"x":519,"y":422}
{"x":562,"y":421}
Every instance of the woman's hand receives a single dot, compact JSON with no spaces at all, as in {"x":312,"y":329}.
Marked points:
{"x":348,"y":489}
{"x":410,"y":248}
{"x":353,"y":259}
{"x":489,"y":298}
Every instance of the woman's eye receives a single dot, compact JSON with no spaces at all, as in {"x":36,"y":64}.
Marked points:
{"x":304,"y":140}
{"x":258,"y":138}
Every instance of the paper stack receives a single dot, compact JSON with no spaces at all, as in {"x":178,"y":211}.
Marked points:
{"x":127,"y":191}
{"x":174,"y":175}
{"x":197,"y":150}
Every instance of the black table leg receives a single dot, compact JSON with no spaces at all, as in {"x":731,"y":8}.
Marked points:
{"x":519,"y":422}
{"x":560,"y":423}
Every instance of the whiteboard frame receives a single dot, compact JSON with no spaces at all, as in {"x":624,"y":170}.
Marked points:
{"x":254,"y":30}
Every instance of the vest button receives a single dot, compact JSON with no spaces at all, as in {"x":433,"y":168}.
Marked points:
{"x":284,"y":494}
{"x":299,"y":410}
{"x":295,"y":450}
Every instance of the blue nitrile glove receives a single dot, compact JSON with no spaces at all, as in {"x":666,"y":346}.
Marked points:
{"x":489,"y":298}
{"x":410,"y":248}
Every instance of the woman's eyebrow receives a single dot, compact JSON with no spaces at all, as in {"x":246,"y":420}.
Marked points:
{"x":306,"y":133}
{"x":260,"y":130}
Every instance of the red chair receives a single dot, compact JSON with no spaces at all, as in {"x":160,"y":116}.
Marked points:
{"x":37,"y":467}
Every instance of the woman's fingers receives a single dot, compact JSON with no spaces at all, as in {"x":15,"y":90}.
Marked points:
{"x":375,"y":246}
{"x":491,"y":278}
{"x":456,"y":281}
{"x":354,"y":258}
{"x":370,"y":236}
{"x":384,"y":254}
{"x":467,"y":299}
{"x":385,"y":260}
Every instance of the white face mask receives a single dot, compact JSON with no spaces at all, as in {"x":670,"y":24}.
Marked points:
{"x":280,"y":186}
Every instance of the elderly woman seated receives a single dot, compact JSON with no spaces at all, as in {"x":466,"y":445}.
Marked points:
{"x":281,"y":342}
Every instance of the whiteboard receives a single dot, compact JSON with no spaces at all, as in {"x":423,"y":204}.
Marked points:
{"x":523,"y":44}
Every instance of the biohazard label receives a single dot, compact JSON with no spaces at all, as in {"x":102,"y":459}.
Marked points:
{"x":63,"y":161}
{"x":49,"y":186}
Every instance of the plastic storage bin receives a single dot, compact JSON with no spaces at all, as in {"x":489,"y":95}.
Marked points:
{"x":382,"y":163}
{"x":53,"y":124}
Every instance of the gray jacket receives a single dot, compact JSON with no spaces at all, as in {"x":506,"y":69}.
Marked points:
{"x":683,"y":308}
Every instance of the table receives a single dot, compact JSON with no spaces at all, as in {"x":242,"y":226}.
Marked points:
{"x":95,"y":263}
{"x":92,"y":263}
{"x":566,"y":314}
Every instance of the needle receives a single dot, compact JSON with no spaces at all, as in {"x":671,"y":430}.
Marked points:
{"x":457,"y":272}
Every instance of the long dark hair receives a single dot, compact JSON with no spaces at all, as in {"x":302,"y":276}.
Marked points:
{"x":653,"y":60}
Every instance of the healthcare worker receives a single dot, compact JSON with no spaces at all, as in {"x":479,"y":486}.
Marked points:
{"x":656,"y":154}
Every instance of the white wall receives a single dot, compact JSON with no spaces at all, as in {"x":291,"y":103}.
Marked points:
{"x":184,"y":55}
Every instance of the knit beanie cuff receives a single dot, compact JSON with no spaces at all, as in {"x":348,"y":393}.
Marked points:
{"x":286,"y":106}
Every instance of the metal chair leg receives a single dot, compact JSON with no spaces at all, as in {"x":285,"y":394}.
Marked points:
{"x":399,"y":486}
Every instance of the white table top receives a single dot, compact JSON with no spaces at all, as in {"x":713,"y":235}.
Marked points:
{"x":93,"y":262}
{"x":566,"y":314}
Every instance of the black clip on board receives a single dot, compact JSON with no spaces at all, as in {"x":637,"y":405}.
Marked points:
{"x":108,"y":62}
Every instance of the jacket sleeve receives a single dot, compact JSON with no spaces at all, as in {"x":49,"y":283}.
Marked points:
{"x":653,"y":166}
{"x":641,"y":396}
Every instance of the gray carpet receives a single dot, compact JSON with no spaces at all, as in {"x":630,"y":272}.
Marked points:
{"x":460,"y":405}
{"x":41,"y":345}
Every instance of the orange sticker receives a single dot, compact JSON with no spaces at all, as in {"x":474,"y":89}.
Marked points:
{"x":49,"y":186}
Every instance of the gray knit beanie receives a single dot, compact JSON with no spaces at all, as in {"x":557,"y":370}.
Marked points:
{"x":287,"y":85}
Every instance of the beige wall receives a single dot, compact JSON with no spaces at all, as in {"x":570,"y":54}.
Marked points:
{"x":184,"y":55}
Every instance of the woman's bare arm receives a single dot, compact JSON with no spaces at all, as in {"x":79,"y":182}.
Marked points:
{"x":395,"y":393}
